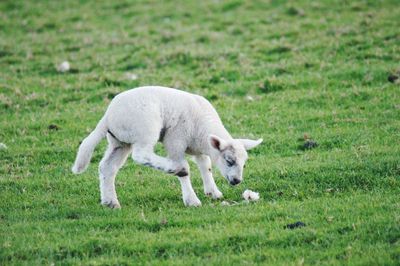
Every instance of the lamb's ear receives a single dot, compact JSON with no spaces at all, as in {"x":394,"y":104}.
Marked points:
{"x":250,"y":144}
{"x":216,"y":142}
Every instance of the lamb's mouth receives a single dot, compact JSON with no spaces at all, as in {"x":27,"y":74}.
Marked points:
{"x":233,"y":181}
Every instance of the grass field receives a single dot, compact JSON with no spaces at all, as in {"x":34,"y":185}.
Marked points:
{"x":281,"y":70}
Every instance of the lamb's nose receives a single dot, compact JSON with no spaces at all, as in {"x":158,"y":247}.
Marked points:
{"x":235,"y":181}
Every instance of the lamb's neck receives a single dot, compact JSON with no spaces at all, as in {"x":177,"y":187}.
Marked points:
{"x":212,"y":127}
{"x":219,"y":130}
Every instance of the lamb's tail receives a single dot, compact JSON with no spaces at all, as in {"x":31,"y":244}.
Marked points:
{"x":87,"y":147}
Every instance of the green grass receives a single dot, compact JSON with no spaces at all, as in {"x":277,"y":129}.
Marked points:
{"x":311,"y":68}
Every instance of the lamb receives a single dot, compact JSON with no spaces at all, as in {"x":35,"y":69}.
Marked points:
{"x":185,"y":123}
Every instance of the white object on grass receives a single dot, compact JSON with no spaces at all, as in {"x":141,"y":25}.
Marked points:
{"x":225,"y":203}
{"x":249,"y":98}
{"x":131,"y":76}
{"x":63,"y":67}
{"x":3,"y":146}
{"x":250,"y":195}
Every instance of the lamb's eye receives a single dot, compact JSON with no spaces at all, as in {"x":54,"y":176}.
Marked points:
{"x":230,"y":162}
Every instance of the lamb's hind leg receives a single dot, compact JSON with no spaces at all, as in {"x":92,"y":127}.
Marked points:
{"x":114,"y":157}
{"x":210,"y":188}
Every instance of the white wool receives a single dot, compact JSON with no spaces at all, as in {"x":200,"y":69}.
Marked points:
{"x":63,"y":67}
{"x":250,"y":195}
{"x":3,"y":146}
{"x":137,"y":119}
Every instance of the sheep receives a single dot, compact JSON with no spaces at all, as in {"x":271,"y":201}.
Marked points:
{"x":185,"y":123}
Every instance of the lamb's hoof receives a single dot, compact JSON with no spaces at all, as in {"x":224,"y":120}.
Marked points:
{"x":192,"y":202}
{"x":111,"y":204}
{"x":77,"y":169}
{"x":215,"y":194}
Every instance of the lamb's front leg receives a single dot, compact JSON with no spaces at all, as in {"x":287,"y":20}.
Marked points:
{"x":210,"y":188}
{"x":188,"y":195}
{"x":178,"y":167}
{"x":147,"y":157}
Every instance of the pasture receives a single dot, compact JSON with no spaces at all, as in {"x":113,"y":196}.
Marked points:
{"x":286,"y":71}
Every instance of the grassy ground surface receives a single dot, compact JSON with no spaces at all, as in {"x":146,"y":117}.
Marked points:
{"x":283,"y":71}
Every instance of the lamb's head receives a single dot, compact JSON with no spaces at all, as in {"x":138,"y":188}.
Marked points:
{"x":230,"y":156}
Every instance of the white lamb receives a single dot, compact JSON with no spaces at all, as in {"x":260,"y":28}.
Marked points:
{"x":185,"y":123}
